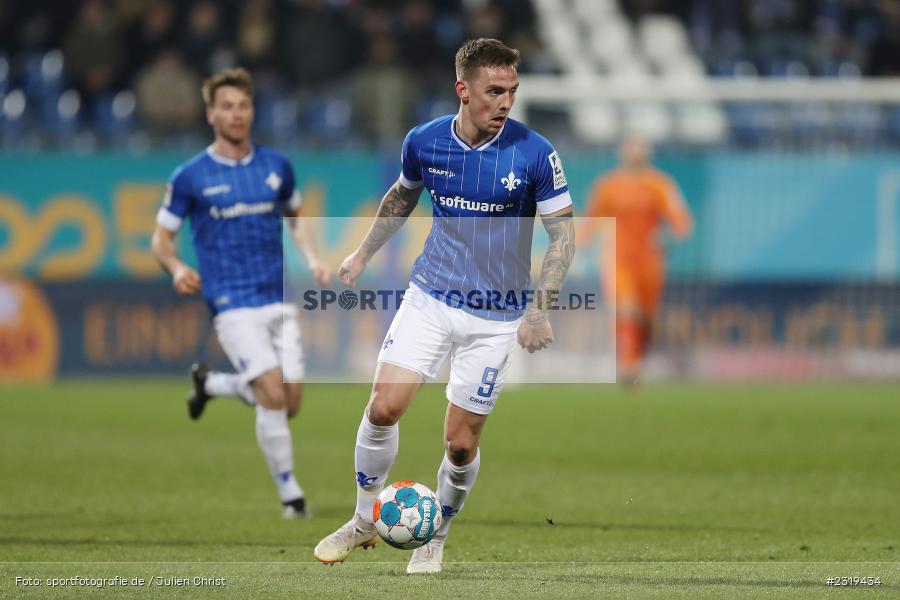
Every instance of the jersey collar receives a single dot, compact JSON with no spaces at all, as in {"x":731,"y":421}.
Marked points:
{"x":465,"y":146}
{"x":230,"y":162}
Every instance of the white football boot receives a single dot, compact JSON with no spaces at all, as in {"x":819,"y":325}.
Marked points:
{"x":337,"y":546}
{"x":428,"y":558}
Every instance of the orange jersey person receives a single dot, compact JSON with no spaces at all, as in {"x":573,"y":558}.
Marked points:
{"x":641,"y":199}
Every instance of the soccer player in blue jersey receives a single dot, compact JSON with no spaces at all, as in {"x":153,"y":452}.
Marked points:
{"x":487,"y":176}
{"x":235,"y":194}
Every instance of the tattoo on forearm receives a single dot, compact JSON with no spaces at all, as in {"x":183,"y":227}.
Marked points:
{"x":395,"y":208}
{"x":556,"y":264}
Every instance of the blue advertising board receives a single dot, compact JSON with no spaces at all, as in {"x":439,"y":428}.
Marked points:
{"x":766,"y":217}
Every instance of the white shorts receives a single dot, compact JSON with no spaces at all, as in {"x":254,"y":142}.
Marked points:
{"x":425,"y":331}
{"x":262,"y":338}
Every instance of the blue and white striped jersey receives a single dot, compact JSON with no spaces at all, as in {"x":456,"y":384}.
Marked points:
{"x":235,"y":209}
{"x":485,"y":200}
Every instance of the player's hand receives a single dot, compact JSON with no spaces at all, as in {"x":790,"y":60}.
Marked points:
{"x":321,"y":273}
{"x":535,"y":332}
{"x":186,"y":281}
{"x":352,"y":267}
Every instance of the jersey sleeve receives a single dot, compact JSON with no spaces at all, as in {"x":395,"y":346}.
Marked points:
{"x":675,"y":209}
{"x":602,"y":199}
{"x":288,"y":194}
{"x":551,"y":187}
{"x":177,"y":201}
{"x":411,"y":170}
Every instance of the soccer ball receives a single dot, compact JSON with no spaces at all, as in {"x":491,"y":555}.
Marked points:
{"x":407,"y":515}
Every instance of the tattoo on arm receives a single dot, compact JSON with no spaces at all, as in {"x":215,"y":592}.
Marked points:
{"x":556,"y":264}
{"x":395,"y":208}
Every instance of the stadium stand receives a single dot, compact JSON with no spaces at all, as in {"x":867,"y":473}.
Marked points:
{"x":80,"y":75}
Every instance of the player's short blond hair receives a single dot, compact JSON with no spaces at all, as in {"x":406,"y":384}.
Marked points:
{"x":238,"y":77}
{"x":484,"y":52}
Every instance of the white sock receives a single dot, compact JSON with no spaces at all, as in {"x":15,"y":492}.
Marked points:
{"x":376,"y":449}
{"x":274,"y":438}
{"x":245,"y":393}
{"x":229,"y":384}
{"x":222,"y":384}
{"x":454,"y":484}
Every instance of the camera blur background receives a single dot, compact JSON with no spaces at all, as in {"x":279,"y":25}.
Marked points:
{"x":777,"y":118}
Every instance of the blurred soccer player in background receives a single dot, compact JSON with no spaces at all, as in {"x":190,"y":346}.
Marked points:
{"x":641,"y":199}
{"x":235,"y":194}
{"x":487,"y":176}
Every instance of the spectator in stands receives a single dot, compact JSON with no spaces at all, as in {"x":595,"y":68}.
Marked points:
{"x":485,"y":22}
{"x":884,"y":59}
{"x":318,"y":44}
{"x":780,"y":31}
{"x":204,"y":34}
{"x":535,"y":58}
{"x":256,"y":34}
{"x":518,"y":16}
{"x":418,"y":43}
{"x":30,"y":27}
{"x":167,"y":97}
{"x":148,"y":35}
{"x":714,"y":26}
{"x":129,"y":12}
{"x":636,"y":9}
{"x":383,"y":93}
{"x":94,"y":49}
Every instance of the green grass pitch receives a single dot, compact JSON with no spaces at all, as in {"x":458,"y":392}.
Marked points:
{"x":678,"y":491}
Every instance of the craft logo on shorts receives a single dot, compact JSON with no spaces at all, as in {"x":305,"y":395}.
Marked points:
{"x":29,"y":337}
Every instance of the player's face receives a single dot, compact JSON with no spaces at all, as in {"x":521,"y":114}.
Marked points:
{"x":231,"y":114}
{"x":489,"y":94}
{"x":634,"y":152}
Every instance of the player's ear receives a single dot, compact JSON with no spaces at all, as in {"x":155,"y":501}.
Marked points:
{"x":462,"y":90}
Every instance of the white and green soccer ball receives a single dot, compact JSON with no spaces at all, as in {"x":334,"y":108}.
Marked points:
{"x":407,"y":514}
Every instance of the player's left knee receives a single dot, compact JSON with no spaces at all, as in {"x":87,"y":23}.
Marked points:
{"x":461,"y":451}
{"x":270,"y":396}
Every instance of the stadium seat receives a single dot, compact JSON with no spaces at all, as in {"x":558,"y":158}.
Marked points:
{"x":786,"y":68}
{"x":612,"y":43}
{"x":634,"y":74}
{"x":662,"y":38}
{"x":700,"y":124}
{"x":859,"y":123}
{"x":685,"y":74}
{"x":809,"y":123}
{"x":63,"y":127}
{"x":594,"y":12}
{"x":584,"y":67}
{"x":263,"y":103}
{"x":753,"y":124}
{"x":432,"y":107}
{"x":892,"y":124}
{"x":562,"y":37}
{"x":327,"y":120}
{"x":596,"y":123}
{"x":43,"y":75}
{"x":113,"y":116}
{"x":285,"y":113}
{"x":745,"y":69}
{"x":649,"y":120}
{"x":15,"y":116}
{"x":846,"y":69}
